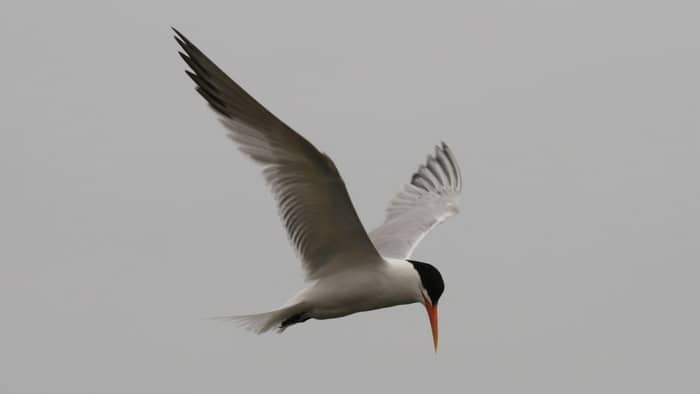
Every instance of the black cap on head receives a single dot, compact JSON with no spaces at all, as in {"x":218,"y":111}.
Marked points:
{"x":431,"y":279}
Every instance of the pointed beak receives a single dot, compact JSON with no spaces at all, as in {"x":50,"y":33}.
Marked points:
{"x":433,"y":316}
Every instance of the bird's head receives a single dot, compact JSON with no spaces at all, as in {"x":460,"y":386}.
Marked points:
{"x":432,"y":287}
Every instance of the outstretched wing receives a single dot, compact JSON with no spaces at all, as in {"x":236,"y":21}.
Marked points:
{"x":313,"y":202}
{"x":431,"y":197}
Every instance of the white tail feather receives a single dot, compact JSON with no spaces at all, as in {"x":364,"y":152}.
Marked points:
{"x":263,"y":322}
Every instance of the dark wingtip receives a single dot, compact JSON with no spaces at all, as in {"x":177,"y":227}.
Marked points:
{"x":182,"y":40}
{"x":182,"y":44}
{"x":204,"y":82}
{"x":192,"y":76}
{"x":213,"y":100}
{"x":184,"y":57}
{"x":178,"y":34}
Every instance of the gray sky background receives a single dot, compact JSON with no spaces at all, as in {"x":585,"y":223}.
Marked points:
{"x":127,"y":217}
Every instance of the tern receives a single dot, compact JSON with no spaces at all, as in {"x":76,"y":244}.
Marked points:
{"x":347,"y":270}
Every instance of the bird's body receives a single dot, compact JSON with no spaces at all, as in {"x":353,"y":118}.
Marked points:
{"x":347,"y":269}
{"x":372,"y":285}
{"x":379,"y":285}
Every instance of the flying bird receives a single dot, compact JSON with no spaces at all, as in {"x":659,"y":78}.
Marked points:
{"x":347,"y":270}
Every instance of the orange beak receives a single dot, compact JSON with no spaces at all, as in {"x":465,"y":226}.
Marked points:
{"x":433,"y":316}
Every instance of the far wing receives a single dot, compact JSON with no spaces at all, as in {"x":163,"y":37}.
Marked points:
{"x":430,"y":198}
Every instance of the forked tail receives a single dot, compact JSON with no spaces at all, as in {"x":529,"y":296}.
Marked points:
{"x":263,"y":322}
